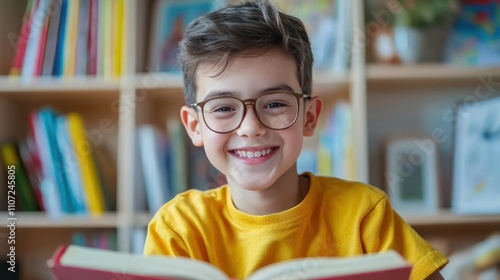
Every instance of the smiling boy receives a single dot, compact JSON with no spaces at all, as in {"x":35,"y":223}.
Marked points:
{"x":248,"y":78}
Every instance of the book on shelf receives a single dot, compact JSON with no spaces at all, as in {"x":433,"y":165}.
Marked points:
{"x":327,"y":23}
{"x":154,"y":147}
{"x":71,"y":38}
{"x":18,"y":183}
{"x":169,"y":20}
{"x":78,"y":263}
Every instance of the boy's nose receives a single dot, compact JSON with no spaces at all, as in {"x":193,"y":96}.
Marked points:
{"x":250,"y":125}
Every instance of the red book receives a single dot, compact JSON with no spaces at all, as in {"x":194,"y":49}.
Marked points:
{"x":93,"y":37}
{"x":82,"y":263}
{"x":17,"y":64}
{"x":41,"y":47}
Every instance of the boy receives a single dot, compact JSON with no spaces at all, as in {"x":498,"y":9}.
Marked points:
{"x":247,"y":78}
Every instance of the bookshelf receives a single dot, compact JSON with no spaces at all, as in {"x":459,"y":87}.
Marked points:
{"x":383,"y":100}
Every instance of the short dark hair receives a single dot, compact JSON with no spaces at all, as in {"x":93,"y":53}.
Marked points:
{"x":254,"y":25}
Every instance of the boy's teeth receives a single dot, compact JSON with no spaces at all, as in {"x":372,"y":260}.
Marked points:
{"x":249,"y":154}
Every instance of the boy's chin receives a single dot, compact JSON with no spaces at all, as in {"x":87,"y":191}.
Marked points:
{"x":254,"y":182}
{"x":251,"y":185}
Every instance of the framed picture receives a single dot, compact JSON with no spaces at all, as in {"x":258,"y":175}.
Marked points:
{"x":476,"y":164}
{"x":411,"y":174}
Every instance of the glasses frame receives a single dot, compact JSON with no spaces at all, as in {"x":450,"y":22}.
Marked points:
{"x":250,"y":101}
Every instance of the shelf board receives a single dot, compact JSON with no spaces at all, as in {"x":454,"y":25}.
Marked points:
{"x":41,"y":220}
{"x":446,"y":217}
{"x":428,"y":72}
{"x":142,"y":219}
{"x":51,"y":84}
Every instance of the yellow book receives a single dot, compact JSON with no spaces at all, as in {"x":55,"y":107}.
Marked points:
{"x":107,"y":39}
{"x":118,"y":37}
{"x":90,"y":178}
{"x":71,"y":37}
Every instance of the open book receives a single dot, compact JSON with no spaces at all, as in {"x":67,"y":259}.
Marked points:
{"x":81,"y":263}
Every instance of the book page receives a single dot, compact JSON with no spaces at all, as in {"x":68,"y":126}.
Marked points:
{"x":175,"y":267}
{"x":308,"y":268}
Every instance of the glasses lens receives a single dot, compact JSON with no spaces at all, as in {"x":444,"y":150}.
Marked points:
{"x":223,"y":114}
{"x":277,"y":110}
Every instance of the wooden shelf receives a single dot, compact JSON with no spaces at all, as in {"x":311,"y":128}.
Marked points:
{"x":429,"y":72}
{"x":86,"y":84}
{"x":142,"y":219}
{"x":41,"y":220}
{"x":446,"y":217}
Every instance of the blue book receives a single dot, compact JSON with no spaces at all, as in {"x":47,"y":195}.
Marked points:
{"x":52,"y":164}
{"x":58,"y":62}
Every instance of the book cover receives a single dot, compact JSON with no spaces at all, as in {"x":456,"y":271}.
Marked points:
{"x":31,"y":60}
{"x":70,"y":38}
{"x":33,"y":157}
{"x":321,"y":19}
{"x":43,"y":40}
{"x":52,"y":36}
{"x":475,"y":38}
{"x":61,"y":38}
{"x":118,"y":37}
{"x":153,"y":145}
{"x":29,"y":157}
{"x":169,"y":20}
{"x":88,"y":171}
{"x":23,"y":39}
{"x":93,"y":38}
{"x":82,"y":36}
{"x":54,"y":177}
{"x":23,"y":190}
{"x":70,"y":166}
{"x":178,"y":156}
{"x":77,"y":262}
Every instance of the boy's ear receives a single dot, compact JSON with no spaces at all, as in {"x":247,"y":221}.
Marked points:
{"x":311,"y":114}
{"x":190,"y":121}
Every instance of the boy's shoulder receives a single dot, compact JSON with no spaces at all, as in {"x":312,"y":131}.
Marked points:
{"x":345,"y":190}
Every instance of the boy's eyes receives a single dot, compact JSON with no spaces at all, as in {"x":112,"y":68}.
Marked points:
{"x":223,"y":109}
{"x":275,"y":104}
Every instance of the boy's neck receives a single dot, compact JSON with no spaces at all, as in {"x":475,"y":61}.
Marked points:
{"x":288,"y":191}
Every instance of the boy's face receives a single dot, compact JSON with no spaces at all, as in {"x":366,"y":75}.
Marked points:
{"x":252,"y":156}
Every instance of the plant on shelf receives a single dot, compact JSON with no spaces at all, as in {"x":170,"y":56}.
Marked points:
{"x":422,"y":14}
{"x":420,"y":29}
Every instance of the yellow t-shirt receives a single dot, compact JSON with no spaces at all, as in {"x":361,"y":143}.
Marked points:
{"x":336,"y":218}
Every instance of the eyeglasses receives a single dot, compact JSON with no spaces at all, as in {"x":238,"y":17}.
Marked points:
{"x":278,"y":110}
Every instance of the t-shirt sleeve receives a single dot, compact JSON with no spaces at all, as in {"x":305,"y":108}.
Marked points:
{"x":162,"y":240}
{"x":383,"y":229}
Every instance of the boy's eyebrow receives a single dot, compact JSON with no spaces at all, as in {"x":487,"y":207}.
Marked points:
{"x":279,"y":87}
{"x":219,"y":93}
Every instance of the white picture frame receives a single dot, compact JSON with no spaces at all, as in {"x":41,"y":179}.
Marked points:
{"x":476,"y":162}
{"x":411,"y":175}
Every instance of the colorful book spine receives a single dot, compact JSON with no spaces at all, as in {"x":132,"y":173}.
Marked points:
{"x":52,"y":36}
{"x":23,"y":189}
{"x":83,"y":148}
{"x":60,"y":50}
{"x":69,"y":65}
{"x":23,"y":39}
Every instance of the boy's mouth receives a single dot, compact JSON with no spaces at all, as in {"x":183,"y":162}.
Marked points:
{"x":254,"y":153}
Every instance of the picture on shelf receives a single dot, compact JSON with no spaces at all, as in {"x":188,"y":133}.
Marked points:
{"x":327,"y":23}
{"x":476,"y":170}
{"x":475,"y":38}
{"x":412,"y":174}
{"x":170,"y":18}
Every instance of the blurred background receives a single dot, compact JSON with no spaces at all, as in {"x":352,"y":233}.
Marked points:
{"x":91,"y":143}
